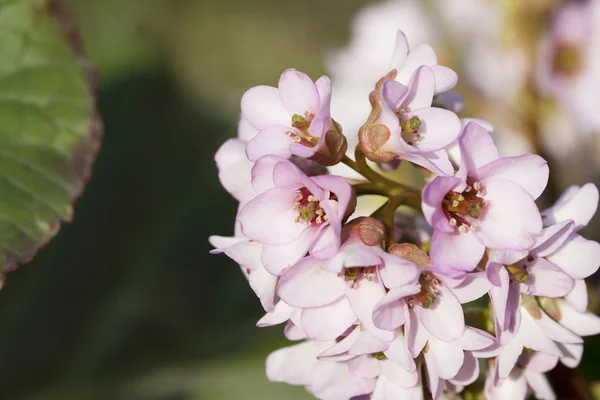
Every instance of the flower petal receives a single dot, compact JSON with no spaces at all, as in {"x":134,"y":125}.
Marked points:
{"x":393,"y":94}
{"x":388,"y":312}
{"x":448,"y":357}
{"x":582,"y":324}
{"x":473,"y":287}
{"x":578,"y":204}
{"x":398,"y":353}
{"x":511,"y":225}
{"x":398,"y":375}
{"x":444,"y":319}
{"x":298,"y":92}
{"x":363,"y":298}
{"x":307,"y":284}
{"x":421,"y":88}
{"x":328,"y":322}
{"x":468,"y":372}
{"x":529,"y":171}
{"x":280,"y":313}
{"x":234,"y":169}
{"x":477,"y":147}
{"x":546,"y":279}
{"x":433,"y":193}
{"x":552,"y":238}
{"x":277,"y":259}
{"x":438,"y":128}
{"x":455,"y":253}
{"x":270,"y":141}
{"x":577,"y":256}
{"x":262,"y":107}
{"x":264,"y":285}
{"x":578,"y":296}
{"x":474,"y":339}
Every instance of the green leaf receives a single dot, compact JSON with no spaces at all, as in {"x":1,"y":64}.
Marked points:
{"x":49,"y":130}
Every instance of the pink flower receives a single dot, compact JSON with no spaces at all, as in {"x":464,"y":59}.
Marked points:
{"x":490,"y":203}
{"x":419,"y":132}
{"x":328,"y":380}
{"x":293,"y":119}
{"x":293,"y":214}
{"x":532,"y":328}
{"x":528,"y":377}
{"x":334,"y":294}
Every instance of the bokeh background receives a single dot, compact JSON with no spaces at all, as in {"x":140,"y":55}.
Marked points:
{"x":126,"y":302}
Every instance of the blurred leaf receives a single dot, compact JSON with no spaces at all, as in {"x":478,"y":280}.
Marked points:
{"x":49,"y":131}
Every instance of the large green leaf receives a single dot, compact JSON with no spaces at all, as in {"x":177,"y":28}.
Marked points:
{"x":49,"y":131}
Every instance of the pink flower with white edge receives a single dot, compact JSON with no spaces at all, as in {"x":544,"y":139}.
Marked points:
{"x":531,"y":328}
{"x":293,"y":214}
{"x":577,"y":256}
{"x":525,"y":379}
{"x":490,"y":203}
{"x":293,"y":119}
{"x":419,"y":132}
{"x":327,"y":380}
{"x":334,"y":294}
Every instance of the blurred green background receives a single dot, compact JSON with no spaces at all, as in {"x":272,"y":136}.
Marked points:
{"x":126,"y":302}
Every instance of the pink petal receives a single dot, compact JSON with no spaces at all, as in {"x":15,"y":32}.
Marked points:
{"x":328,"y":322}
{"x":241,"y":250}
{"x":474,"y":286}
{"x":388,"y":313}
{"x":529,"y":171}
{"x":415,"y":333}
{"x":540,"y":385}
{"x":298,"y":92}
{"x":367,"y":344}
{"x":573,"y":354}
{"x":281,"y":313}
{"x":400,"y":50}
{"x":508,"y":358}
{"x":455,"y":253}
{"x":436,"y":385}
{"x":270,"y":141}
{"x":293,"y":332}
{"x":474,"y":339}
{"x":578,"y":296}
{"x":363,"y":298}
{"x":552,"y":238}
{"x":448,"y":358}
{"x":513,"y":387}
{"x":582,"y":324}
{"x":444,"y":319}
{"x":393,"y":94}
{"x":577,"y":256}
{"x":339,"y":351}
{"x":262,"y":107}
{"x":292,"y":364}
{"x":263,"y":284}
{"x":365,"y":366}
{"x":334,"y":381}
{"x":477,"y":147}
{"x":438,"y":128}
{"x":398,"y":353}
{"x":578,"y":204}
{"x":420,"y":55}
{"x":277,"y":259}
{"x":262,"y":173}
{"x":421,"y":88}
{"x":306,"y":284}
{"x":531,"y":334}
{"x":234,"y":169}
{"x":468,"y":372}
{"x":546,"y":279}
{"x":513,"y":224}
{"x":397,"y":271}
{"x":433,"y":193}
{"x":445,"y":78}
{"x":398,"y":375}
{"x":342,"y":189}
{"x":499,"y":295}
{"x":269,"y":218}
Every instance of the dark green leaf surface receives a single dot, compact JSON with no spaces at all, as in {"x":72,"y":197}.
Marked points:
{"x":48,"y":128}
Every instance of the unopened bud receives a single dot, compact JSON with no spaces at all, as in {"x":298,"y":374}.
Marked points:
{"x":412,"y":253}
{"x":368,"y":230}
{"x":333,"y":149}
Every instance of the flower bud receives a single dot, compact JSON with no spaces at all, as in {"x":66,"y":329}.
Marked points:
{"x":373,"y":135}
{"x":334,"y":148}
{"x":369,"y":230}
{"x":411,"y":252}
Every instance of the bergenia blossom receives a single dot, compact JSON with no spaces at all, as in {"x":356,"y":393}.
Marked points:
{"x":406,"y":301}
{"x":489,"y":204}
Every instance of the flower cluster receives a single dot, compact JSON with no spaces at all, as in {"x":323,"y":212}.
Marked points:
{"x":391,"y":304}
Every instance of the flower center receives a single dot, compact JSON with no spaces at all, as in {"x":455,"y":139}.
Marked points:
{"x":354,"y":274}
{"x":309,"y":208}
{"x":379,"y":356}
{"x":410,"y":127}
{"x":567,"y":59}
{"x":461,"y":208}
{"x":518,"y":271}
{"x":430,"y":287}
{"x":301,"y":135}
